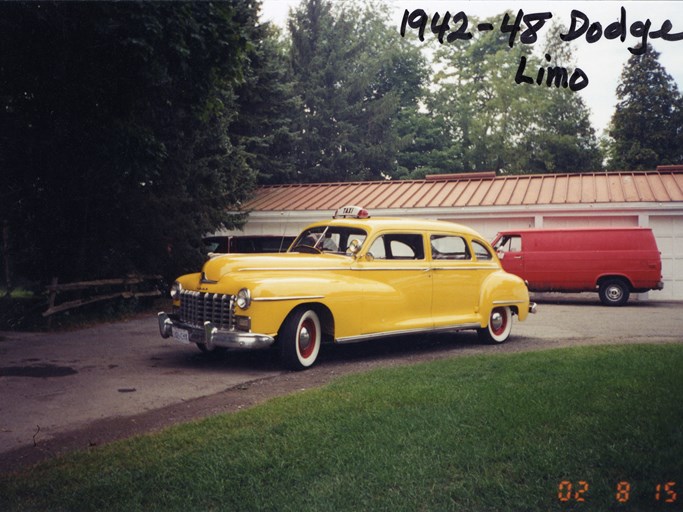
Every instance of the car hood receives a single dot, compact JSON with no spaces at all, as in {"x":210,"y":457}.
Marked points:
{"x":219,"y":266}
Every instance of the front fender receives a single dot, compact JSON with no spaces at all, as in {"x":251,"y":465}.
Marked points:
{"x":275,"y":296}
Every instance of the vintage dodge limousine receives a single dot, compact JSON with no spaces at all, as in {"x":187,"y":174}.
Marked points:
{"x":346,"y":279}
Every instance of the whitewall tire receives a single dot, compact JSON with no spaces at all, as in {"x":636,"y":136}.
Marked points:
{"x":499,"y":326}
{"x":300,"y":338}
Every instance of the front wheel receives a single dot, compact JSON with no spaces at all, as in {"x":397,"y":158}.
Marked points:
{"x":614,"y":292}
{"x":300,"y":337}
{"x":499,"y":327}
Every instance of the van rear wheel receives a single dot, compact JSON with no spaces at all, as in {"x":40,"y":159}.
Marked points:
{"x":614,"y":292}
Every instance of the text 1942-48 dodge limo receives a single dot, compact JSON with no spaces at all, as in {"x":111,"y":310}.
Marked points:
{"x":347,"y":279}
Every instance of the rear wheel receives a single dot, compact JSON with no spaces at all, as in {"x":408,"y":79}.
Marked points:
{"x":499,"y":327}
{"x":614,"y":292}
{"x":300,"y":337}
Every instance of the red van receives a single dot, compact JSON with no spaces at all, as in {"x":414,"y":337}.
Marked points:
{"x":612,"y":261}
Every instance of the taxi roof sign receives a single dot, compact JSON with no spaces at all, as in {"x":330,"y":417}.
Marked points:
{"x":354,"y":212}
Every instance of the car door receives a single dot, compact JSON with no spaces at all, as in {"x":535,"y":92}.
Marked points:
{"x":459,"y":267}
{"x":397,"y":289}
{"x":509,"y":248}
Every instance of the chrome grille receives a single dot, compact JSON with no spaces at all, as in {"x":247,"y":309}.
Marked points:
{"x":198,"y":307}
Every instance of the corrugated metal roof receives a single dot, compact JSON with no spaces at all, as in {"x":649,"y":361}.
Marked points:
{"x":477,"y":189}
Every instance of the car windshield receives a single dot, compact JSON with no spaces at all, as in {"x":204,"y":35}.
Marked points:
{"x":328,"y":239}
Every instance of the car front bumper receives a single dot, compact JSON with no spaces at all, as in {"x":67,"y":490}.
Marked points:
{"x":210,"y":335}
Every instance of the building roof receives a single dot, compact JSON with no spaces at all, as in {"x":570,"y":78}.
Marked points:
{"x":664,"y":185}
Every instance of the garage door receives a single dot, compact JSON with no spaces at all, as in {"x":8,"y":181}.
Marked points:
{"x":668,"y":231}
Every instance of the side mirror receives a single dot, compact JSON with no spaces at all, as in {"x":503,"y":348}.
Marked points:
{"x":354,"y":247}
{"x":501,"y":254}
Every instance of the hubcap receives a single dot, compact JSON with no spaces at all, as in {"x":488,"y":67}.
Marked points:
{"x":497,"y":321}
{"x":614,"y":293}
{"x":304,"y":338}
{"x":307,"y":338}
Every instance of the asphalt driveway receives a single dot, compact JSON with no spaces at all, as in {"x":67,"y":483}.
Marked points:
{"x":73,"y":390}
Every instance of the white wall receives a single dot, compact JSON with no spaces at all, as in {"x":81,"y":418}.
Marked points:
{"x":668,"y":230}
{"x":667,"y":226}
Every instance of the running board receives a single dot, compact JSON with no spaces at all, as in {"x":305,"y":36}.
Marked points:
{"x":388,"y":334}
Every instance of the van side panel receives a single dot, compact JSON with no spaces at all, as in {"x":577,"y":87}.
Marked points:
{"x":576,"y":260}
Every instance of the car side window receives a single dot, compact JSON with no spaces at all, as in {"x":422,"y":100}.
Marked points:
{"x":481,"y":251}
{"x":397,"y":246}
{"x":449,"y":247}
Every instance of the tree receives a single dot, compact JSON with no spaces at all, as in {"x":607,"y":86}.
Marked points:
{"x":354,"y":78}
{"x":646,"y":129}
{"x":115,"y":132}
{"x":484,"y":111}
{"x":267,"y":105}
{"x":426,"y":147}
{"x":562,"y":139}
{"x":497,"y":124}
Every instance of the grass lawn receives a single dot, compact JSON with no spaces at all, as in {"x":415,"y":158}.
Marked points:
{"x":592,"y":428}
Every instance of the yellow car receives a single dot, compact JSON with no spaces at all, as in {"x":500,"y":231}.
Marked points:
{"x":348,"y":279}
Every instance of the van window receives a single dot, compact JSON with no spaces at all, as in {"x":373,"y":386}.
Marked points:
{"x":481,"y":251}
{"x":449,"y":247}
{"x":510,"y":243}
{"x":397,"y":246}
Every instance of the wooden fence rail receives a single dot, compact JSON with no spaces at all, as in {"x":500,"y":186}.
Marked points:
{"x":127,"y":288}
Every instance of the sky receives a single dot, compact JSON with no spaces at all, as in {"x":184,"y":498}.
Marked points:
{"x":602,"y":61}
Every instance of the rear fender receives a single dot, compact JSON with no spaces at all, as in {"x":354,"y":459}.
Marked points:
{"x":604,"y":277}
{"x":503,"y":289}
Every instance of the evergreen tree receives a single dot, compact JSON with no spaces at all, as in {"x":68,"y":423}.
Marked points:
{"x":114,"y":126}
{"x":354,"y":78}
{"x":267,"y":105}
{"x":426,"y":146}
{"x":646,"y":129}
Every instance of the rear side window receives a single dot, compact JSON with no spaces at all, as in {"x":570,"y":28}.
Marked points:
{"x":449,"y":247}
{"x":481,"y":251}
{"x":398,"y":246}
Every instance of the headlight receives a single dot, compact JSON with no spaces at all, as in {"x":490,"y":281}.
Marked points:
{"x":243,"y":298}
{"x":176,"y":288}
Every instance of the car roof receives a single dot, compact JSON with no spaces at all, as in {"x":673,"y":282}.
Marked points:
{"x":374,"y":224}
